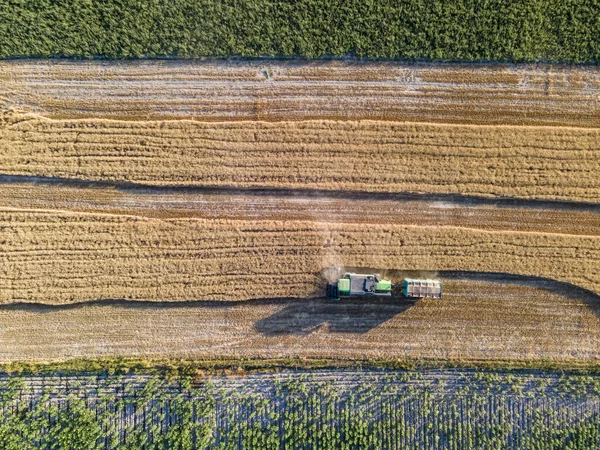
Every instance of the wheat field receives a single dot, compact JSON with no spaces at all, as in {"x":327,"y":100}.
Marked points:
{"x":64,"y":257}
{"x":477,"y":320}
{"x":373,"y":156}
{"x":290,"y":205}
{"x":190,"y":209}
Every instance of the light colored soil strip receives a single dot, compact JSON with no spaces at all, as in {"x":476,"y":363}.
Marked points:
{"x":375,"y":156}
{"x":448,"y":93}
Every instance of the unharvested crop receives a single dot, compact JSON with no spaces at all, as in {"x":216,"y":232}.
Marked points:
{"x":527,"y":162}
{"x":62,"y":257}
{"x":554,"y":30}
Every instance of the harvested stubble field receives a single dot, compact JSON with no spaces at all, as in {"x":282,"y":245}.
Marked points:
{"x":90,"y":268}
{"x":373,"y":156}
{"x":250,"y":90}
{"x":481,"y":318}
{"x":319,"y":206}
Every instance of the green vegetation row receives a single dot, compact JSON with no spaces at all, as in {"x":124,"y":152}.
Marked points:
{"x":331,"y":410}
{"x":499,"y":30}
{"x":180,"y":367}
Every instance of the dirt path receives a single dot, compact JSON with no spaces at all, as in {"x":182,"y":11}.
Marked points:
{"x":469,"y":93}
{"x":519,"y":319}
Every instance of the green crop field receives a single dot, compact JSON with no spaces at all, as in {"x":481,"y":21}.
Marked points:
{"x":452,"y":409}
{"x":503,"y":30}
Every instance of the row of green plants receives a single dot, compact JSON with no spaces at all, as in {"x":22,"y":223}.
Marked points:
{"x":306,"y":410}
{"x":76,"y":419}
{"x":500,"y":30}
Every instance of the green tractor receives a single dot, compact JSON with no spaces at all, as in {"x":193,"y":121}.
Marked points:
{"x":353,"y":284}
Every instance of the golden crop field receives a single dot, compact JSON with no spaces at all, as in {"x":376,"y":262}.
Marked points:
{"x":373,"y":156}
{"x":63,"y":257}
{"x":477,"y":320}
{"x":170,"y":209}
{"x":290,"y":205}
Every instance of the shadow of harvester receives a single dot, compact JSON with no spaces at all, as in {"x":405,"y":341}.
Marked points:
{"x":361,"y":314}
{"x":356,"y":315}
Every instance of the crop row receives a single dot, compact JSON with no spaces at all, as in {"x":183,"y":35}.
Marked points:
{"x":59,"y":257}
{"x":557,"y":30}
{"x":305,"y":411}
{"x":373,"y":156}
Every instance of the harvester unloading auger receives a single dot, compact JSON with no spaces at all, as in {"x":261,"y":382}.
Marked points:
{"x":355,"y":284}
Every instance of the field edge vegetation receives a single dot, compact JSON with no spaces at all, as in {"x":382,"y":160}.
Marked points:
{"x":246,"y":366}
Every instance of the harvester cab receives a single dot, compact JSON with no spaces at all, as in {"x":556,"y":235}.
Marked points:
{"x":354,"y":284}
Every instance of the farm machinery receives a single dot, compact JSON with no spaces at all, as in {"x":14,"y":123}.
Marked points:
{"x":354,"y":284}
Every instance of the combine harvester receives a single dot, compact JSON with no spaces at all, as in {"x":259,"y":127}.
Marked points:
{"x":354,"y":284}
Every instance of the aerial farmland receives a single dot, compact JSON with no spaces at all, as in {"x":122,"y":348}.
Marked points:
{"x":170,"y":221}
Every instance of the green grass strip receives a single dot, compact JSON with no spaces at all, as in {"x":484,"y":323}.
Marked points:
{"x":468,"y":30}
{"x":182,"y":367}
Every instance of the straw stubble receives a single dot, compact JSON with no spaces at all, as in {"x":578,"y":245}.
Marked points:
{"x":62,"y":257}
{"x":374,"y":156}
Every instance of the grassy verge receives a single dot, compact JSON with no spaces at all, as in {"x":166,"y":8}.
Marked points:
{"x":507,"y":30}
{"x":245,"y":366}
